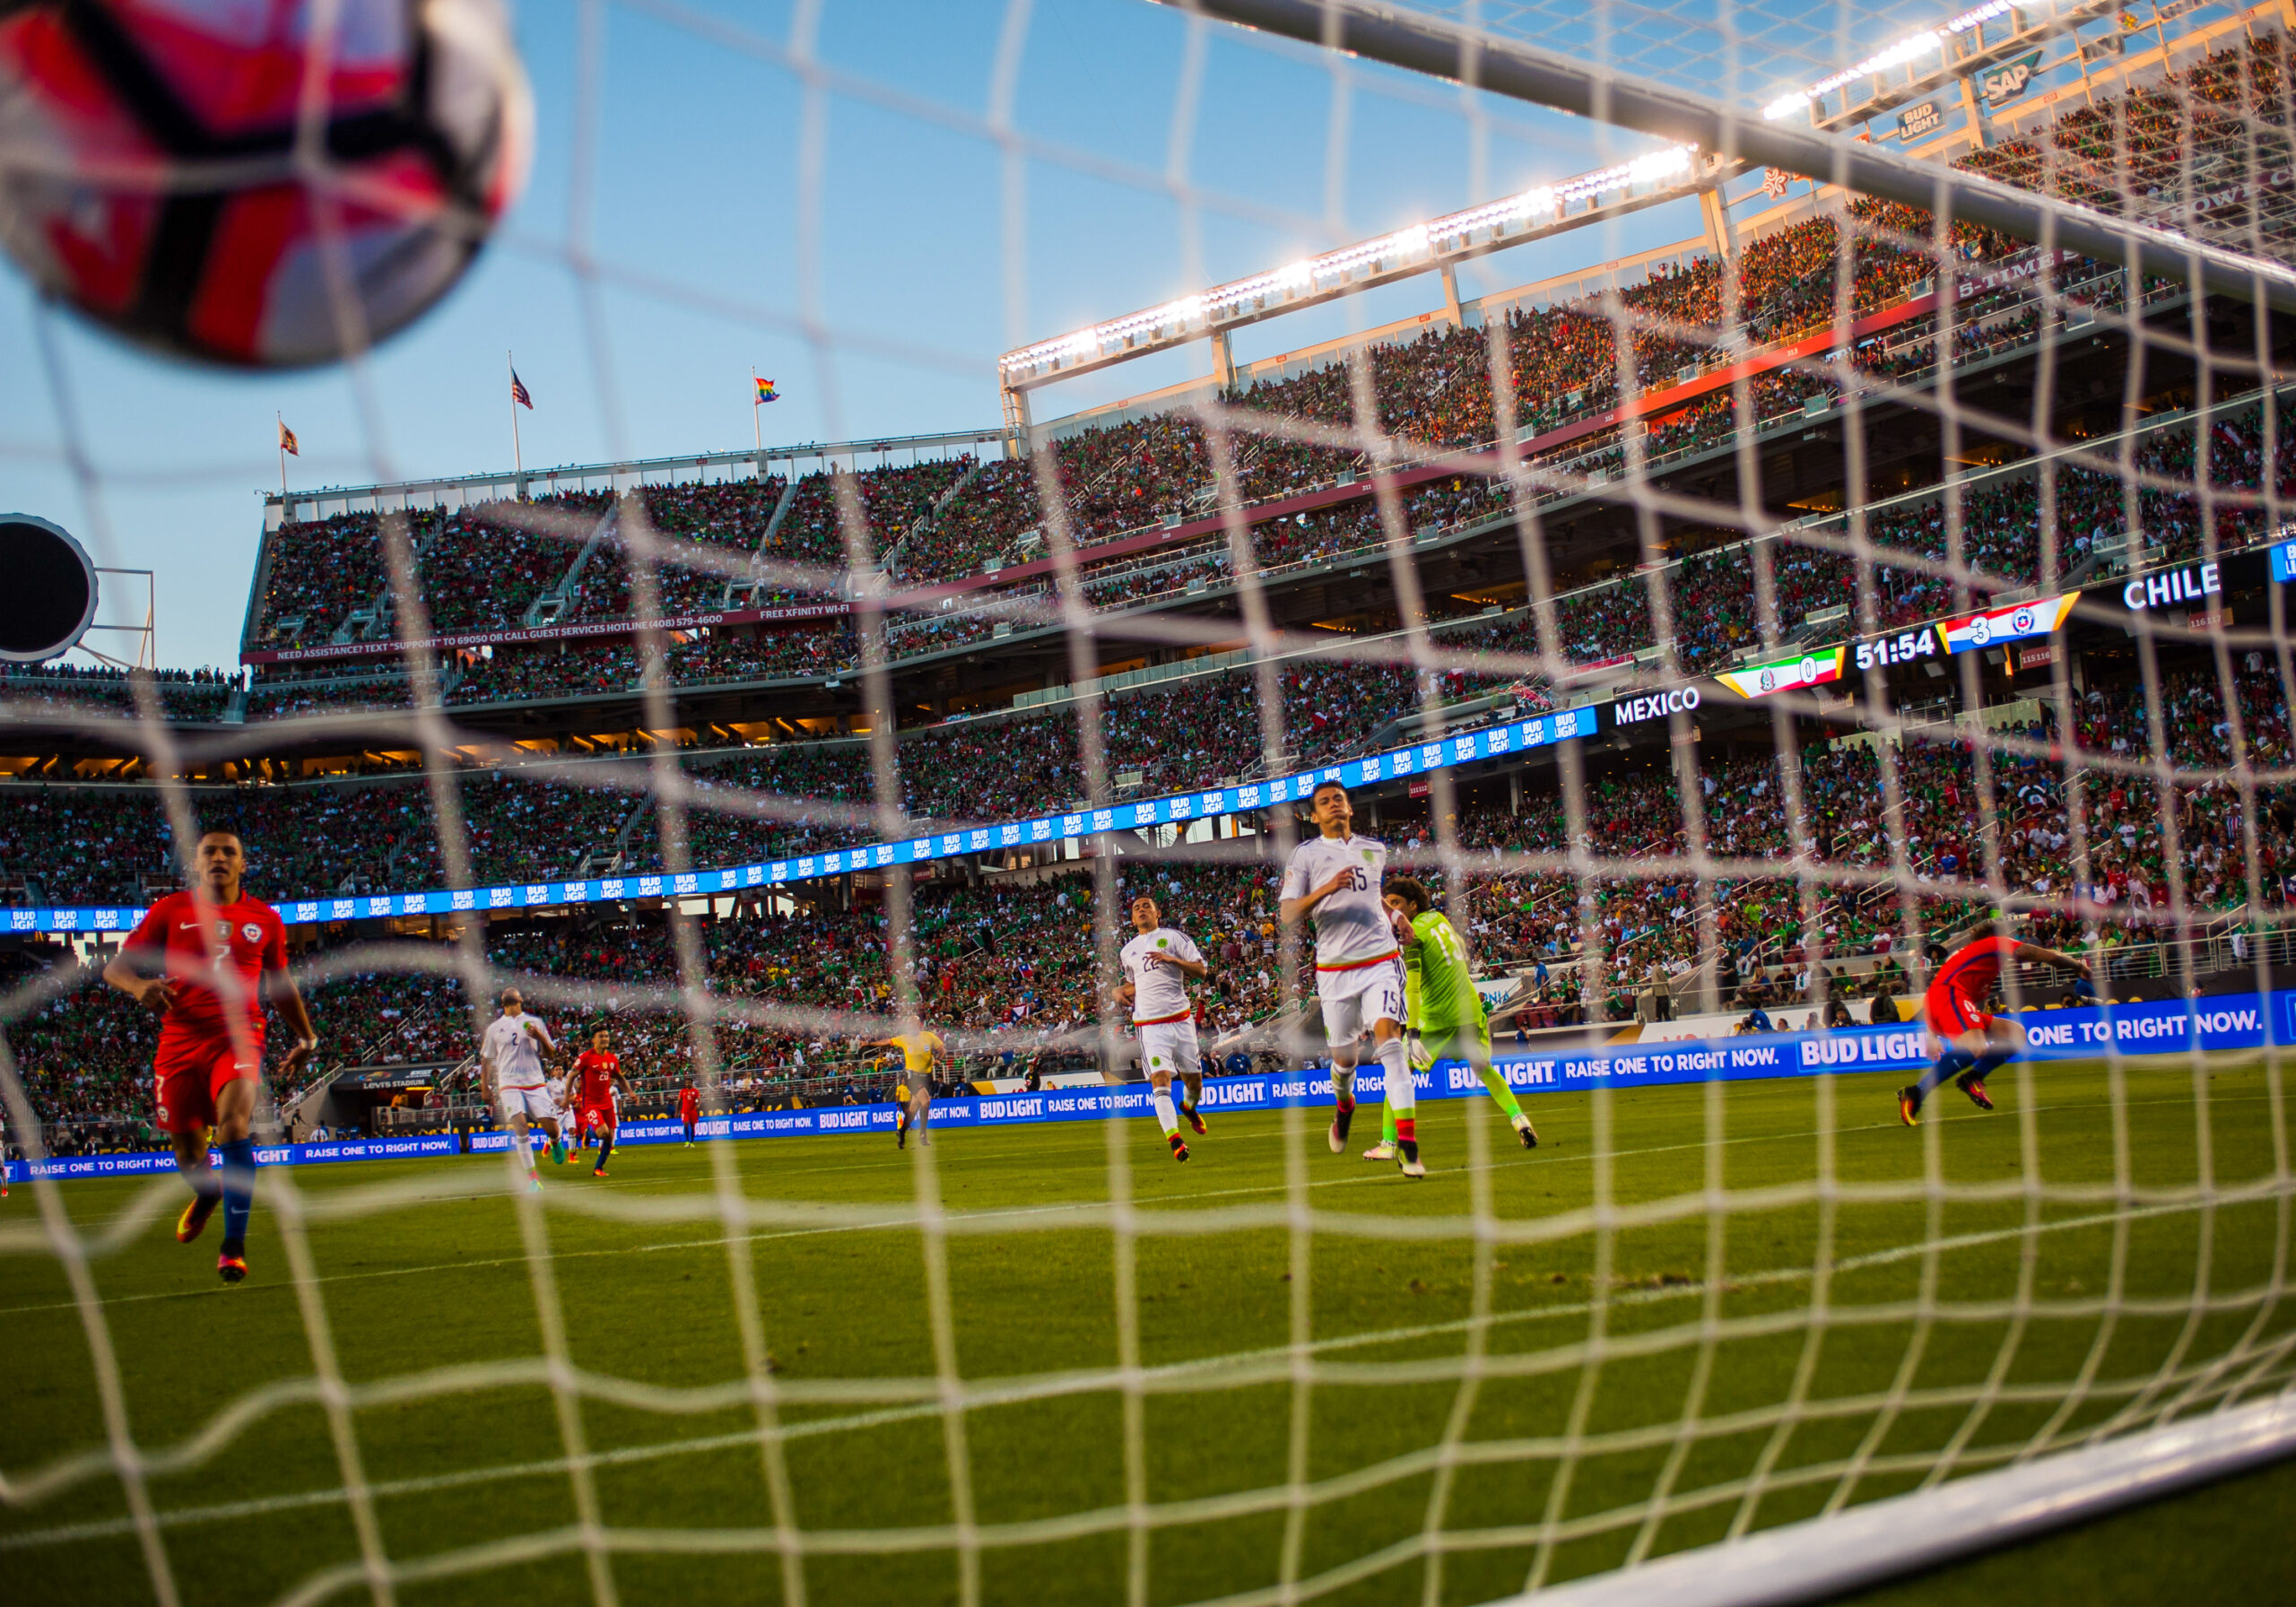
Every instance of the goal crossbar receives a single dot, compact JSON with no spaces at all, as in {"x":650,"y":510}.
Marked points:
{"x":1443,"y":49}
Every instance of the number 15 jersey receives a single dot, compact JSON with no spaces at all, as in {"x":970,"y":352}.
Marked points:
{"x":1352,"y":926}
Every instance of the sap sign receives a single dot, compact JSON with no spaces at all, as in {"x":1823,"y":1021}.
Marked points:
{"x":1656,"y":706}
{"x":2178,"y":586}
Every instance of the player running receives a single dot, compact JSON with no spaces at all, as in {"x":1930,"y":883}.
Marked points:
{"x":598,"y":1076}
{"x":1448,"y":1019}
{"x":1974,"y":1042}
{"x":509,"y":1058}
{"x":689,"y":1110}
{"x":1157,"y":965}
{"x":1333,"y":878}
{"x":218,"y":952}
{"x":922,"y":1052}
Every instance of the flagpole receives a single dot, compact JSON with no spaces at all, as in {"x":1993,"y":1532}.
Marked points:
{"x":282,"y":419}
{"x":517,"y":453}
{"x":757,"y":426}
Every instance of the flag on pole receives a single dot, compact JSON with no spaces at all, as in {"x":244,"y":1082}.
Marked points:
{"x":765,"y":391}
{"x":518,"y":393}
{"x":287,"y":442}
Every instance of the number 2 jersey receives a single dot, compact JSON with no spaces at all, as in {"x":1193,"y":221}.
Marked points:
{"x":249,"y":940}
{"x":1351,"y":927}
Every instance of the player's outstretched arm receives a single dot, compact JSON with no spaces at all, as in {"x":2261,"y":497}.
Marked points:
{"x":2034,"y":951}
{"x":288,"y":1000}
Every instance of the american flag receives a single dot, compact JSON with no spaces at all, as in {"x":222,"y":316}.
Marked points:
{"x":518,"y":392}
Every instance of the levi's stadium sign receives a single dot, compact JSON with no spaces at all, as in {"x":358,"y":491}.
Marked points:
{"x":785,"y":613}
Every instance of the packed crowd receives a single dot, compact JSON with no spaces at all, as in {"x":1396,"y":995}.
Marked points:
{"x":190,"y":696}
{"x":1015,"y":960}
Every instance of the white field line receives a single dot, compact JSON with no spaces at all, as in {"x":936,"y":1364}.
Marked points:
{"x":1169,"y":1377}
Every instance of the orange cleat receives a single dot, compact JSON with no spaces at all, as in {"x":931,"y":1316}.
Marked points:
{"x":1194,"y":1120}
{"x":193,"y":1219}
{"x":233,"y":1268}
{"x":1909,"y":1105}
{"x":1179,"y":1147}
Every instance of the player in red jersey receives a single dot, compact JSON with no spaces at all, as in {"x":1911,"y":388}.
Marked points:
{"x":218,"y":953}
{"x":689,"y":1110}
{"x":597,"y":1072}
{"x":1974,"y":1043}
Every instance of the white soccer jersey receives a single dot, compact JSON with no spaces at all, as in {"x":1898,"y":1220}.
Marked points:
{"x":1351,"y":925}
{"x":512,"y":1050}
{"x":1160,"y":992}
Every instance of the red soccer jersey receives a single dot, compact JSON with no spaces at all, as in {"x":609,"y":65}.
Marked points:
{"x":253,"y":942}
{"x":688,"y":1105}
{"x":1972,"y":970}
{"x":597,"y":1072}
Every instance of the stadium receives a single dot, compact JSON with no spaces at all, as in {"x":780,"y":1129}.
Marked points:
{"x":1715,"y":639}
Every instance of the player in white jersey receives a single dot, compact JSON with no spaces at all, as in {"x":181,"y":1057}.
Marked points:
{"x":1335,"y":880}
{"x":1157,"y":966}
{"x":510,"y":1070}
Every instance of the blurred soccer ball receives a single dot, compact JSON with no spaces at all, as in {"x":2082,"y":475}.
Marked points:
{"x":159,"y":168}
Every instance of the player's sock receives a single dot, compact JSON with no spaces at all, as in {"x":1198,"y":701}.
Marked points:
{"x":1952,"y":1062}
{"x":239,"y":1189}
{"x":1403,"y":1094}
{"x":1161,"y":1099}
{"x":1502,"y":1095}
{"x":1386,"y":1124}
{"x":605,"y":1151}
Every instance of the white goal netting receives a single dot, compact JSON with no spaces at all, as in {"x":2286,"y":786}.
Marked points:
{"x":1718,"y":585}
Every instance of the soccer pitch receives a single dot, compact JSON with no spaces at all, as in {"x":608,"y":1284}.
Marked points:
{"x":1895,"y":1331}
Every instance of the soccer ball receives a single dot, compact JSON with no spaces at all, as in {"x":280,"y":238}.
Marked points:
{"x":159,"y":172}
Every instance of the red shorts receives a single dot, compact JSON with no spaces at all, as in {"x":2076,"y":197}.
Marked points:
{"x":600,"y":1116}
{"x":190,"y":1076}
{"x":1952,"y":1012}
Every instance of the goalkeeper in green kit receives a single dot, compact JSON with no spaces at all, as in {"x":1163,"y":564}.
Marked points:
{"x":1448,"y":1020}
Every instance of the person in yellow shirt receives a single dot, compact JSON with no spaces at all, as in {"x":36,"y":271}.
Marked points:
{"x":922,"y":1054}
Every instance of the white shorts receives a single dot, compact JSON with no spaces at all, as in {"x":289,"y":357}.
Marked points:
{"x":1354,"y":999}
{"x":1168,"y":1048}
{"x":533,"y":1103}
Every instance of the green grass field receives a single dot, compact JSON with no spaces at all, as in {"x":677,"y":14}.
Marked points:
{"x":1473,"y":1394}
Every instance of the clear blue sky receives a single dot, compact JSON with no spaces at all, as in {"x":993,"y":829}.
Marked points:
{"x":922,"y":263}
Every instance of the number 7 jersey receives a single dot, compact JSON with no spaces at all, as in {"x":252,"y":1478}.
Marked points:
{"x":1352,"y":926}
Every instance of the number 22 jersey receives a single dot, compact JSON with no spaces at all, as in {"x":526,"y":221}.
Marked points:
{"x":1352,"y":926}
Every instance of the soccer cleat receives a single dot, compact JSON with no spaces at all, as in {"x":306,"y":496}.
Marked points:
{"x":901,"y":1136}
{"x":1382,"y":1150}
{"x":558,"y":1152}
{"x":1910,"y":1104}
{"x":597,"y":1172}
{"x":193,"y":1219}
{"x":231,"y":1265}
{"x":1407,"y":1152}
{"x":1179,"y":1148}
{"x":1194,"y":1120}
{"x":1340,"y":1119}
{"x":533,"y":1181}
{"x":1527,"y":1133}
{"x":1970,"y":1083}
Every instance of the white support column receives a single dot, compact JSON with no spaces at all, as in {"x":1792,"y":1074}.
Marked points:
{"x":1450,"y":275}
{"x":1720,"y":233}
{"x":1223,"y":360}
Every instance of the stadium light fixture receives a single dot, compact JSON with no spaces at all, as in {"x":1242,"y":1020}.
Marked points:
{"x":1912,"y":48}
{"x":1330,"y":272}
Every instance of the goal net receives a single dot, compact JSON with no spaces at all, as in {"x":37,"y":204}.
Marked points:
{"x":1738,"y":497}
